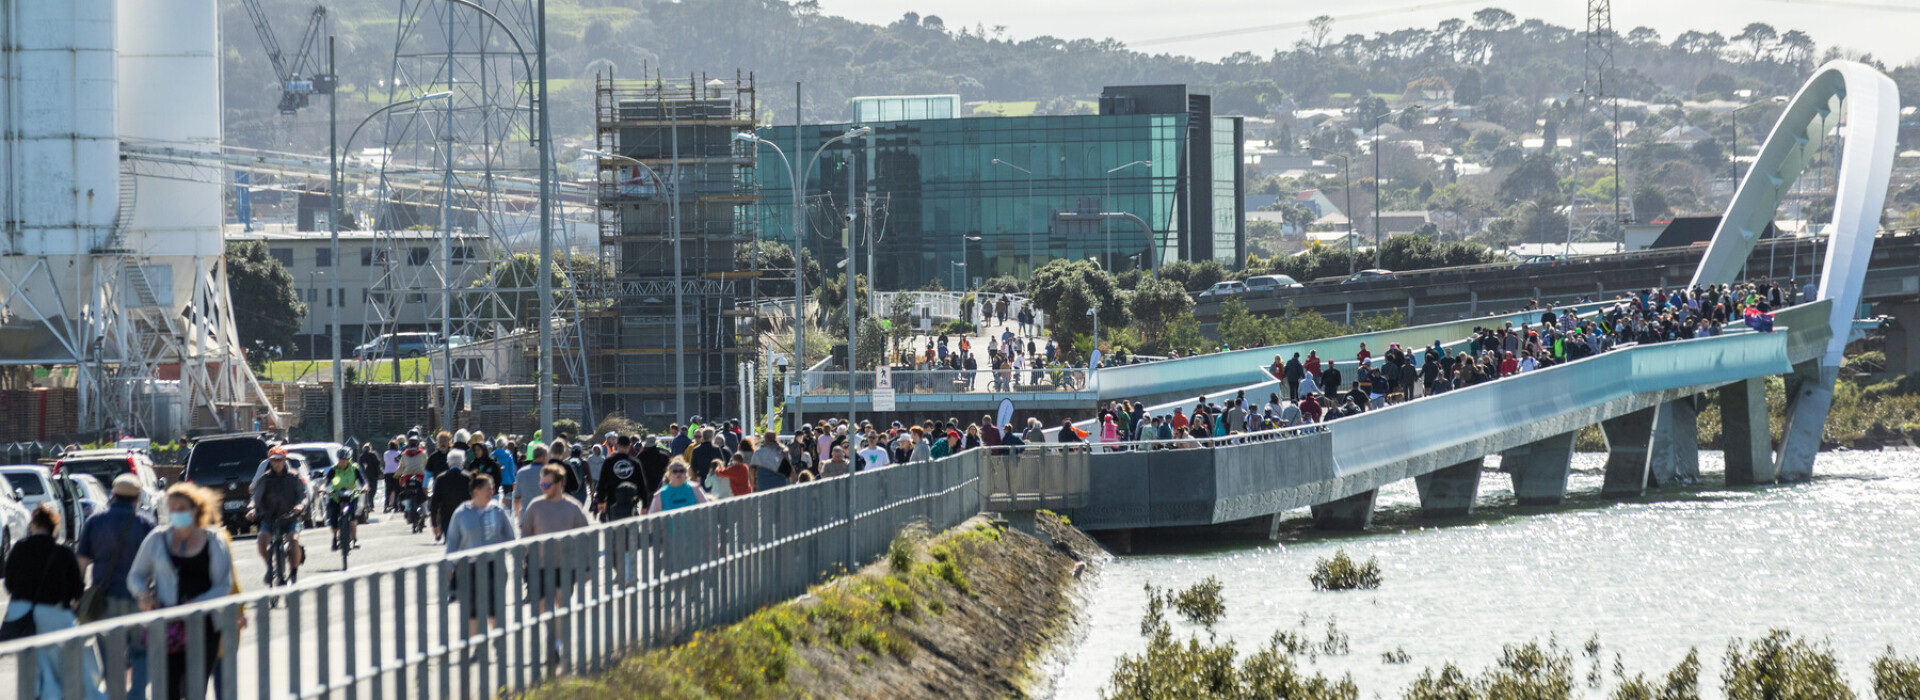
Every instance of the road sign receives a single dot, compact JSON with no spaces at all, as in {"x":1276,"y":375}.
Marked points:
{"x":883,"y":388}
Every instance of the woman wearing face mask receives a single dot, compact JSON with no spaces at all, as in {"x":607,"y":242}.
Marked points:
{"x":184,"y":563}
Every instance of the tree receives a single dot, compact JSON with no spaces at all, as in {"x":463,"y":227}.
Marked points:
{"x":1066,"y":289}
{"x":1759,"y":37}
{"x":518,"y":297}
{"x":1155,"y":303}
{"x":1466,"y":90}
{"x":1239,"y":328}
{"x":1534,"y":177}
{"x":271,"y":313}
{"x":1193,"y":276}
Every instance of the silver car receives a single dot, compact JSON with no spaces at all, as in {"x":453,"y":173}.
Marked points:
{"x":13,"y":524}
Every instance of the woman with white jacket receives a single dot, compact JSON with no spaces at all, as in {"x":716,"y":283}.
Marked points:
{"x":184,"y":563}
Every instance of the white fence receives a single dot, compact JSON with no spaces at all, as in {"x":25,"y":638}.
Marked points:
{"x":399,"y":630}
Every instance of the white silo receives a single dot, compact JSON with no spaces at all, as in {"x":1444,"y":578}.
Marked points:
{"x":61,"y":172}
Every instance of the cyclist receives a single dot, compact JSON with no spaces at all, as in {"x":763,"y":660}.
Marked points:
{"x":279,"y":496}
{"x":343,"y":481}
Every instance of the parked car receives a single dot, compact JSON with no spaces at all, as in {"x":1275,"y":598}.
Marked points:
{"x":1261,"y":283}
{"x":87,"y":493}
{"x":1368,"y":276}
{"x":1224,"y":289}
{"x":398,"y":345}
{"x":104,"y":465}
{"x":13,"y":524}
{"x":226,"y":464}
{"x":316,"y":457}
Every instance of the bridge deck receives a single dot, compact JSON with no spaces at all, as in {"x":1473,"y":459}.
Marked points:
{"x":1226,"y":480}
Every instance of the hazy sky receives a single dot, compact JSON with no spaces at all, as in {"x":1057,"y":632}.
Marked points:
{"x":1886,"y":28}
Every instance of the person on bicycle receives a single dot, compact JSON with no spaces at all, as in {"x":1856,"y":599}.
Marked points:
{"x":279,"y":497}
{"x":343,"y":481}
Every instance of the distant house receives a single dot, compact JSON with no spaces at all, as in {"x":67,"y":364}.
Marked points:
{"x":1400,"y":223}
{"x":1685,"y":135}
{"x":1318,"y":202}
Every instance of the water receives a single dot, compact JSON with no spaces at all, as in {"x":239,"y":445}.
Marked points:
{"x":1832,"y":559}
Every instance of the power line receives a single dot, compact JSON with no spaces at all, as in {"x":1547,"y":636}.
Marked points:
{"x":1852,"y":5}
{"x":1369,"y":14}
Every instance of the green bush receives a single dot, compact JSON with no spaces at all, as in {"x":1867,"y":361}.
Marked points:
{"x":1896,"y":678}
{"x":1201,"y":603}
{"x":1780,"y":666}
{"x":1341,"y":574}
{"x":906,"y":543}
{"x":1682,"y":683}
{"x":956,"y":327}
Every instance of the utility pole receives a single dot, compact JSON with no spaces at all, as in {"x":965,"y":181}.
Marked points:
{"x":333,"y":223}
{"x":546,"y":234}
{"x":799,"y":364}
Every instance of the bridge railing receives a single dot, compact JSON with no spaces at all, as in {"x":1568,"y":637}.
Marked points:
{"x":403,"y":629}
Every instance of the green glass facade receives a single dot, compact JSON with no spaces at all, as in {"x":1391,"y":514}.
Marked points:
{"x":939,"y":186}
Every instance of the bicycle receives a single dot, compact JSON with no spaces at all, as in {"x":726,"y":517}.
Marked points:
{"x":344,"y":507}
{"x":278,"y":552}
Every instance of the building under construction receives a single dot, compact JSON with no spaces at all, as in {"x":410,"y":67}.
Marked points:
{"x":666,"y":335}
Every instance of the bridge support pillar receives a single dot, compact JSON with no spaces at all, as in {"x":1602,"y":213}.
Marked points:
{"x":1809,"y":397}
{"x":1676,"y":444}
{"x":1903,"y":336}
{"x":1449,"y":492}
{"x":1744,"y":434}
{"x":1629,"y":447}
{"x":1352,"y":513}
{"x":1539,"y":470}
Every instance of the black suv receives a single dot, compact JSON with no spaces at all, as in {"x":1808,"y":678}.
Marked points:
{"x":226,"y":465}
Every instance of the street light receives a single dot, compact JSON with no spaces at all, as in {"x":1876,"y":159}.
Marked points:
{"x":1031,"y":258}
{"x":1378,"y":122}
{"x":544,"y":280}
{"x":1346,"y":185}
{"x":334,"y":151}
{"x":1107,"y":222}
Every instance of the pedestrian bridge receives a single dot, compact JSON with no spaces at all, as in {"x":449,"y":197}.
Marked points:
{"x":1644,"y":398}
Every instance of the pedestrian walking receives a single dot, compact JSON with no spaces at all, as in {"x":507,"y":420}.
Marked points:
{"x":187,"y":562}
{"x":680,"y":491}
{"x":551,"y":574}
{"x":479,"y":587}
{"x":108,"y":542}
{"x":43,"y":586}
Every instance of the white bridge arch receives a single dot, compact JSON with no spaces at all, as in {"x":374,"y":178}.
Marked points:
{"x":1867,"y":103}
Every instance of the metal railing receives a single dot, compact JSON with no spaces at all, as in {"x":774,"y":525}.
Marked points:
{"x":960,"y":381}
{"x":402,"y":630}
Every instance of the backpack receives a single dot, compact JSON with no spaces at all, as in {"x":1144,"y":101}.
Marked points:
{"x":625,"y":497}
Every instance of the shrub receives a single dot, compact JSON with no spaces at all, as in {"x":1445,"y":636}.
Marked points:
{"x":1201,"y":603}
{"x":1895,"y":678}
{"x":1341,"y":574}
{"x":1780,"y":666}
{"x":956,"y":327}
{"x":906,"y":542}
{"x":1682,"y":683}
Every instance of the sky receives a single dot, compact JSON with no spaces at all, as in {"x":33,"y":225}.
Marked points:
{"x":1211,"y":29}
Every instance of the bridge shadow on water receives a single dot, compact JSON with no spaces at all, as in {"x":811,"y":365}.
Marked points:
{"x":1399,"y":512}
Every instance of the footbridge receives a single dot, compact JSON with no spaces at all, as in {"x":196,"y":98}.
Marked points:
{"x":1644,"y":398}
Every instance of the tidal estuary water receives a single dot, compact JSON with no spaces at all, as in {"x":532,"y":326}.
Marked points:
{"x":1833,"y":559}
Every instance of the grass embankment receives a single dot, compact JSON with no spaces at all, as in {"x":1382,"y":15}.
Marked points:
{"x":959,"y":614}
{"x":1866,"y":415}
{"x":413,"y":369}
{"x":1181,"y":664}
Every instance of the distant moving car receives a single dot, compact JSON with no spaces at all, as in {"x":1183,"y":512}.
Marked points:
{"x":1372,"y":275}
{"x":104,"y":465}
{"x":393,"y":345}
{"x":226,"y":464}
{"x":1224,"y":289}
{"x":1261,"y":283}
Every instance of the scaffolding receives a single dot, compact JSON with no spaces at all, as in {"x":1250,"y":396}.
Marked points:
{"x":638,"y":347}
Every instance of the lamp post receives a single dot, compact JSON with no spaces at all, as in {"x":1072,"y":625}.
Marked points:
{"x":1346,"y":185}
{"x":1031,"y":258}
{"x":544,"y":280}
{"x":1106,"y":223}
{"x":333,"y":225}
{"x":799,"y":267}
{"x":964,"y":283}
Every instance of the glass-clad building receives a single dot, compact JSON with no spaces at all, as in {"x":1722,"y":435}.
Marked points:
{"x":963,"y":200}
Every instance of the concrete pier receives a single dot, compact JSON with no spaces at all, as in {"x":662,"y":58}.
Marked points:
{"x":1744,"y":434}
{"x":1809,"y":396}
{"x":1676,"y":444}
{"x":1629,"y":449}
{"x":1540,"y":469}
{"x":1351,"y":514}
{"x":1449,"y":492}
